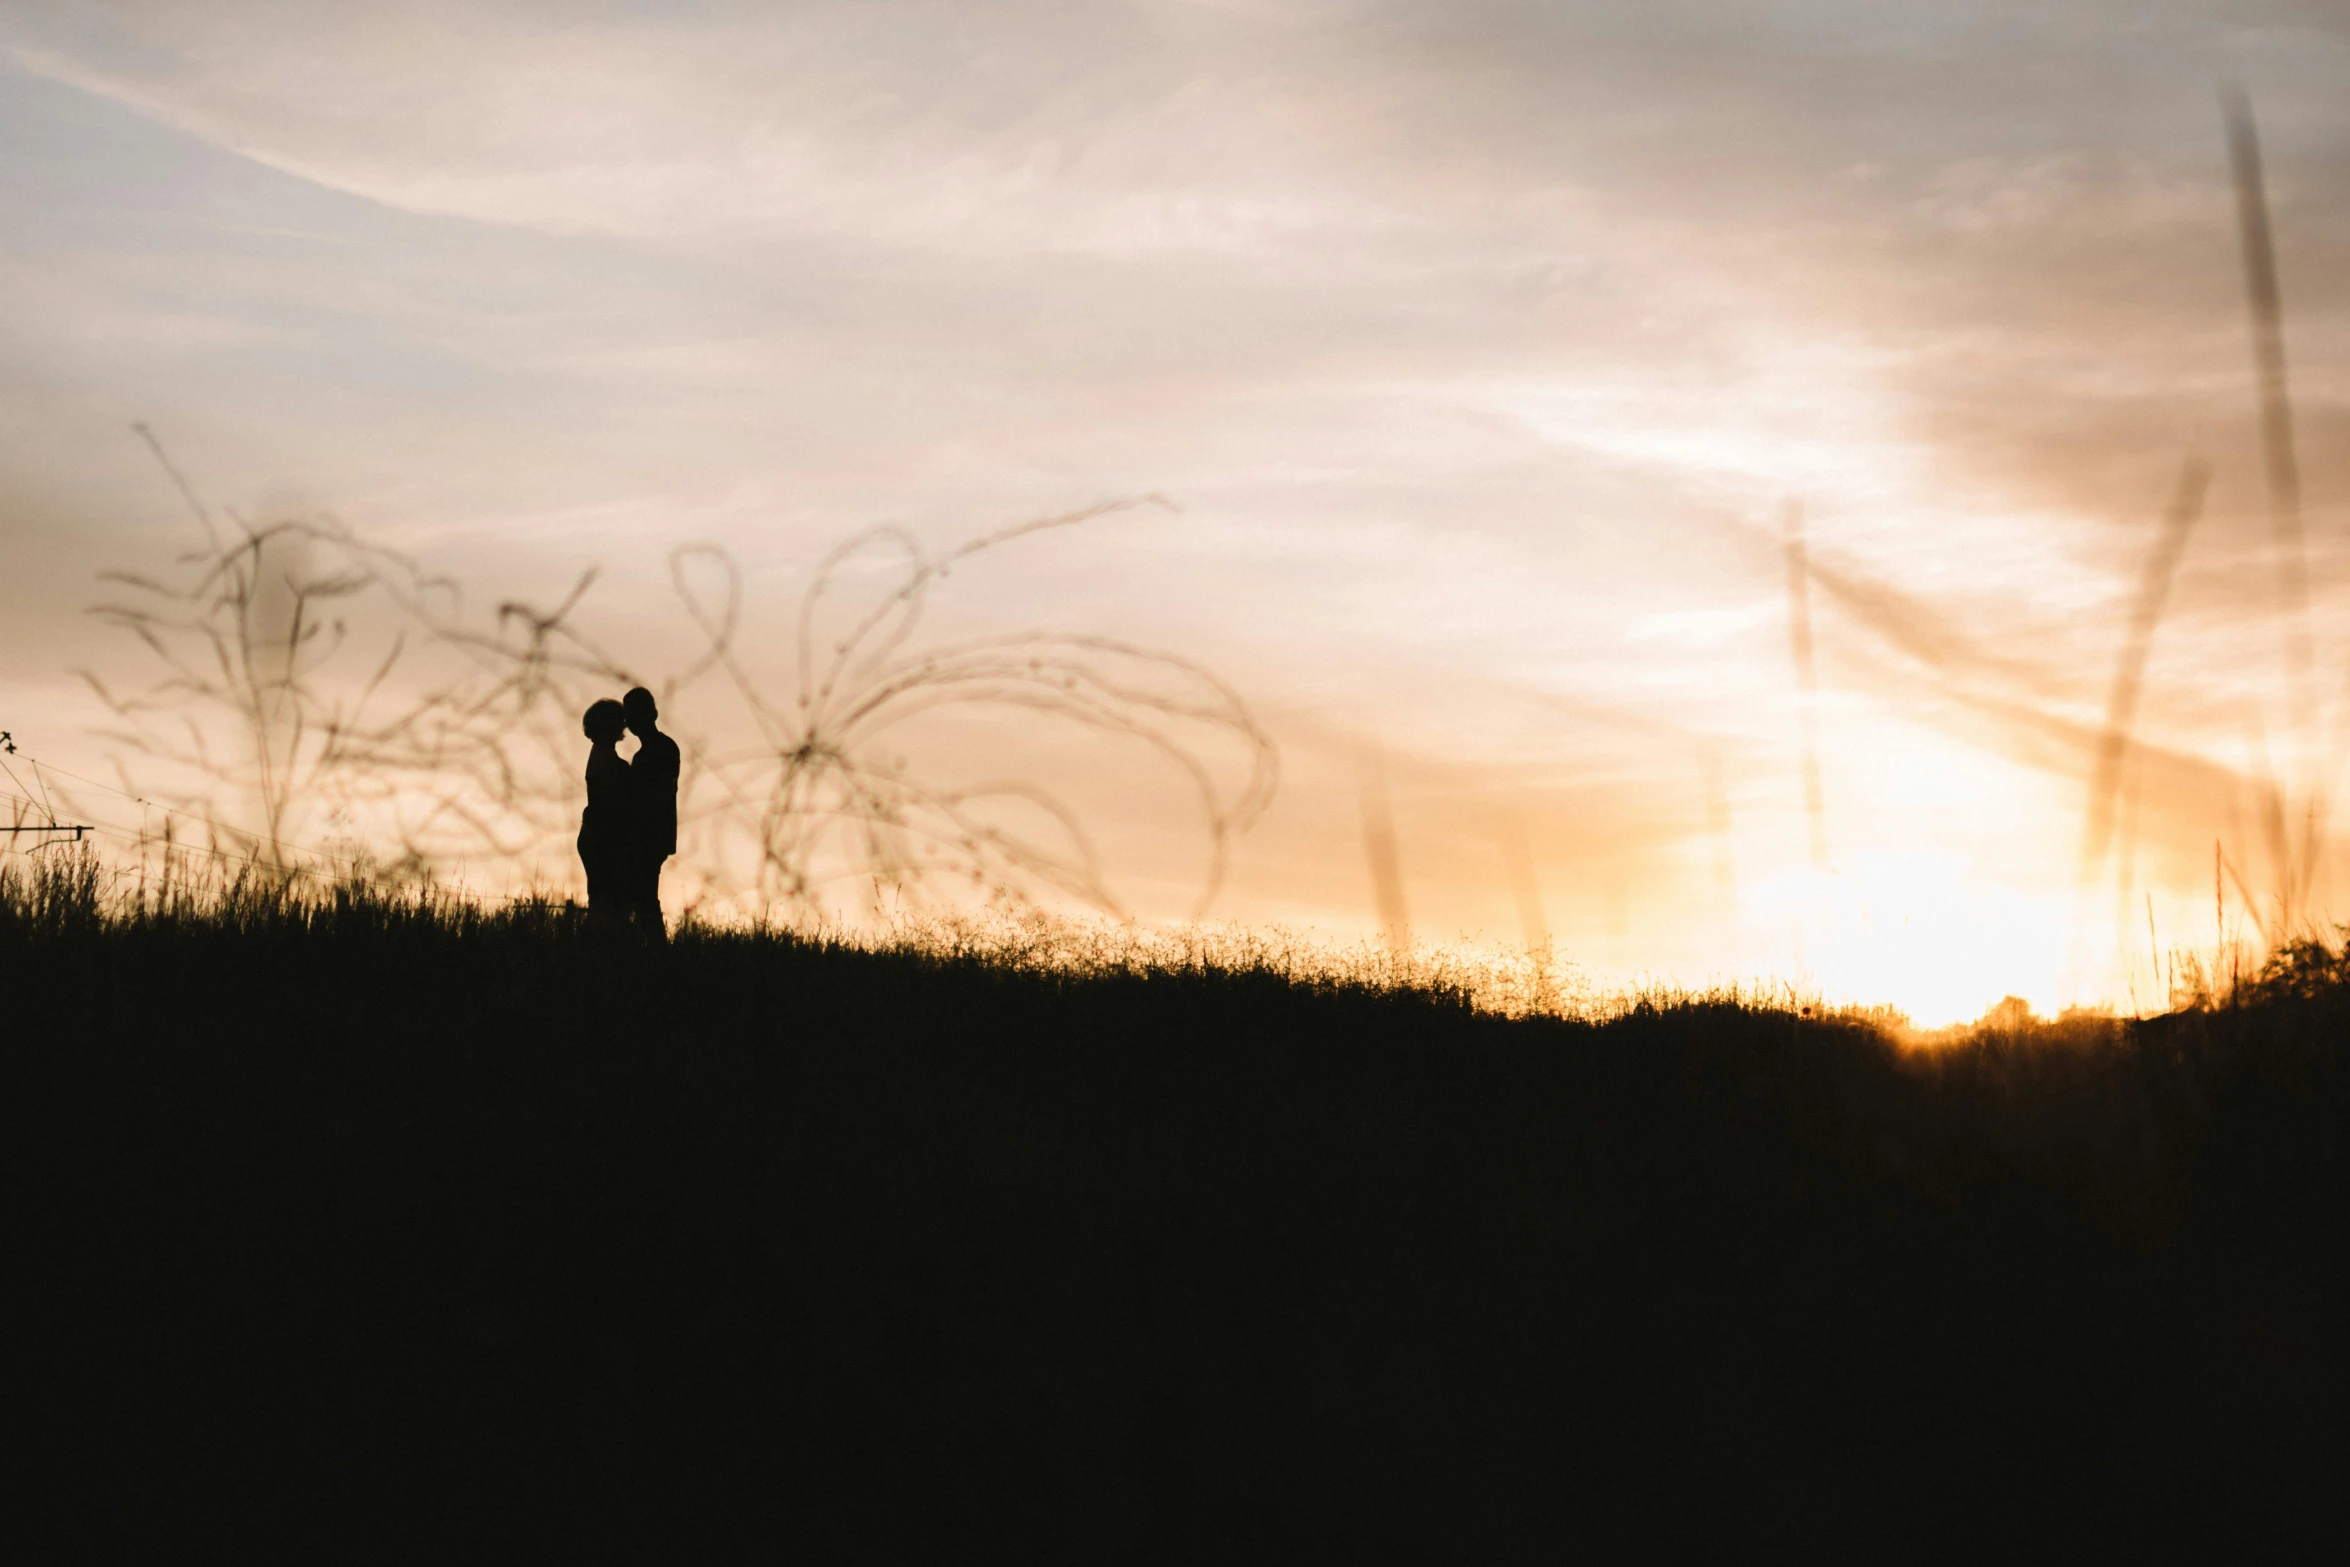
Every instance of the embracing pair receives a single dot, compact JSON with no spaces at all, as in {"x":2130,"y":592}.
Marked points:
{"x":630,"y":825}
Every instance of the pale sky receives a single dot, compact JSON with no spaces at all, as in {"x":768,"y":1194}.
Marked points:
{"x":1479,"y":347}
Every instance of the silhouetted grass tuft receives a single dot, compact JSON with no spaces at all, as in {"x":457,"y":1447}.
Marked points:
{"x":376,"y":1227}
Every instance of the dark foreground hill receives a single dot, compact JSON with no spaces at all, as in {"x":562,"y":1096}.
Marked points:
{"x":376,"y":1235}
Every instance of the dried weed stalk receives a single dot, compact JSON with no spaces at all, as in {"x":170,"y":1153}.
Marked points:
{"x":825,"y":801}
{"x":312,"y":682}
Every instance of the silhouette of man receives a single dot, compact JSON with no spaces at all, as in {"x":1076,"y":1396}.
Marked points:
{"x":653,"y":772}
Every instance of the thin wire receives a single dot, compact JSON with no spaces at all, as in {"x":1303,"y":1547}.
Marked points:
{"x":19,"y":782}
{"x":206,"y":823}
{"x":110,"y":789}
{"x":141,"y":839}
{"x":144,"y":838}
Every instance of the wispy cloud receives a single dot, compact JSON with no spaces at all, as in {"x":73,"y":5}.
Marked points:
{"x":1482,"y":342}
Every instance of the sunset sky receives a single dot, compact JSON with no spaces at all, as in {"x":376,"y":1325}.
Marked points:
{"x":1479,"y":347}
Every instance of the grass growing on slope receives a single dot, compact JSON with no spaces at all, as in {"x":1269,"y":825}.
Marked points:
{"x":357,"y":1227}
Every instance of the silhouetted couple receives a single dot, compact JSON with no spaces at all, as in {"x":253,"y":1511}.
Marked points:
{"x":630,"y":825}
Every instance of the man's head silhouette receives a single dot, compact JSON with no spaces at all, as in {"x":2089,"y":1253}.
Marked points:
{"x":640,"y":709}
{"x":603,"y":721}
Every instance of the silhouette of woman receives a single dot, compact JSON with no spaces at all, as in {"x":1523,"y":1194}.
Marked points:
{"x":608,"y":828}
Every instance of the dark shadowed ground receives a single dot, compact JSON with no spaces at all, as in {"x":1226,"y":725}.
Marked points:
{"x":381,"y":1235}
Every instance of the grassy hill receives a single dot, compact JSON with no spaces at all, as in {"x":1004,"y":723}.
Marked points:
{"x":363,"y":1230}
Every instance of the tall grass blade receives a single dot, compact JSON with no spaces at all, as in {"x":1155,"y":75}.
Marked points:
{"x":2121,"y":707}
{"x":1807,"y":678}
{"x":2266,"y":303}
{"x":1379,"y":849}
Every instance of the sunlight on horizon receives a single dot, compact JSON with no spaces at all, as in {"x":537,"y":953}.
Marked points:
{"x":1649,"y":503}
